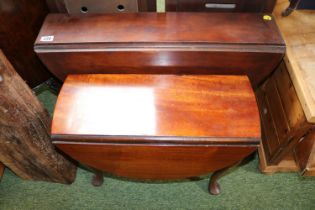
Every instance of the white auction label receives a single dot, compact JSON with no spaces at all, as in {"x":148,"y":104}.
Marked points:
{"x":47,"y":38}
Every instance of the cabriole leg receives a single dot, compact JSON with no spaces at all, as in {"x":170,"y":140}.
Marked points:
{"x":214,"y":187}
{"x":98,"y":178}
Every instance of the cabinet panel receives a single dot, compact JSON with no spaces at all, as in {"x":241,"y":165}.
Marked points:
{"x":291,"y":104}
{"x":221,"y":5}
{"x":213,"y":6}
{"x":100,"y":6}
{"x":276,"y":110}
{"x":76,"y":7}
{"x":269,"y":136}
{"x":279,"y":108}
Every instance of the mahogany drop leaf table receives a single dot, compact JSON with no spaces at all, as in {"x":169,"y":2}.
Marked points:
{"x":157,"y":127}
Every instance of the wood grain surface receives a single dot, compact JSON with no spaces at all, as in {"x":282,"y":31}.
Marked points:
{"x":146,"y":108}
{"x":156,"y":161}
{"x":305,"y":154}
{"x":298,"y":30}
{"x":287,"y":164}
{"x":155,"y":43}
{"x":156,"y":126}
{"x":282,"y":117}
{"x":168,"y":28}
{"x":25,"y":144}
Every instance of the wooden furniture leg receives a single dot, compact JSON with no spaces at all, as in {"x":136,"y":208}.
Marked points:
{"x":291,"y":7}
{"x":98,"y":178}
{"x":214,"y":187}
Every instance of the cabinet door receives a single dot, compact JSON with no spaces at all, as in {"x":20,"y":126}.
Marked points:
{"x":283,"y":120}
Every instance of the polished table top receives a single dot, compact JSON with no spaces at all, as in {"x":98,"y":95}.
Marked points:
{"x":164,"y":107}
{"x":148,"y":28}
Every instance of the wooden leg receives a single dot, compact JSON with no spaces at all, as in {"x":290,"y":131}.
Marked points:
{"x":214,"y":187}
{"x":291,"y":8}
{"x":97,"y":179}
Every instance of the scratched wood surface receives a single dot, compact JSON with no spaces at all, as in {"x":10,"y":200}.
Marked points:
{"x":298,"y":31}
{"x":25,"y":146}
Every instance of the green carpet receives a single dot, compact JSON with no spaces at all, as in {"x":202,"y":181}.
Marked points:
{"x":244,"y":188}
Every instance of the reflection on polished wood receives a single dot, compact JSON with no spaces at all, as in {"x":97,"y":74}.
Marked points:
{"x":156,"y":126}
{"x":168,"y":28}
{"x":161,"y":43}
{"x":153,"y":106}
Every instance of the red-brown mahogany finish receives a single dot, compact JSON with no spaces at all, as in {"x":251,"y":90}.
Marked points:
{"x":164,"y":106}
{"x":156,"y":161}
{"x":155,"y":43}
{"x":156,"y":126}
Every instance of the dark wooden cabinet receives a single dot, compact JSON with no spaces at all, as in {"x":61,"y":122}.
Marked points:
{"x":20,"y":24}
{"x":76,"y":7}
{"x":221,"y":5}
{"x":161,"y":43}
